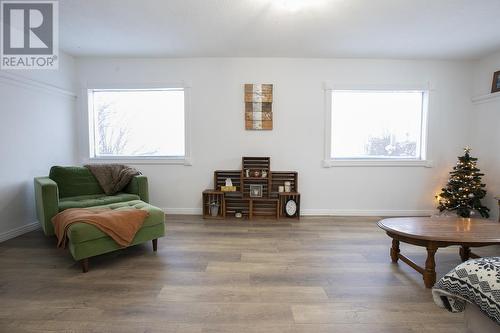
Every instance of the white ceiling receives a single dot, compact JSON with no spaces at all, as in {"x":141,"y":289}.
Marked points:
{"x":430,"y":29}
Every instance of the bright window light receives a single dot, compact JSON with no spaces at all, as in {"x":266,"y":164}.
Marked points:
{"x":376,"y":125}
{"x":137,"y":123}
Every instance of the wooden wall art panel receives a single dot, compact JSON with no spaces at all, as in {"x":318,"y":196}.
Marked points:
{"x":258,"y":106}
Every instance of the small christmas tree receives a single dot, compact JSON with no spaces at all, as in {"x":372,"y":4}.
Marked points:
{"x":464,"y":190}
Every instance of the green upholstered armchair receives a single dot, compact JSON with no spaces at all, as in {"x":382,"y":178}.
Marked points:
{"x":76,"y":187}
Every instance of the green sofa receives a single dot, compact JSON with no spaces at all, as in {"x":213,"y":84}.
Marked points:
{"x":76,"y":187}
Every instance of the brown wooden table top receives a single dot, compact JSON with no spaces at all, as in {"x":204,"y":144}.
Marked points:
{"x":444,"y":229}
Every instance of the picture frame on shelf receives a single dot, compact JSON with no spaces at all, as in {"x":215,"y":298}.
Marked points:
{"x":255,"y":191}
{"x":495,"y":86}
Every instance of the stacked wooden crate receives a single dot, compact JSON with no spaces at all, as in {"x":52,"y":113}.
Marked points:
{"x":271,"y":205}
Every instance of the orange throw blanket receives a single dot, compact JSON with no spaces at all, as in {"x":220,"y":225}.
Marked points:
{"x":121,"y":225}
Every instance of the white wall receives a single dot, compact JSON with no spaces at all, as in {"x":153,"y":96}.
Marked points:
{"x":485,"y":120}
{"x":37,"y":130}
{"x":296,"y":142}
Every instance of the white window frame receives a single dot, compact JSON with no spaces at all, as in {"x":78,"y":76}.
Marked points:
{"x":137,"y":160}
{"x":329,"y":161}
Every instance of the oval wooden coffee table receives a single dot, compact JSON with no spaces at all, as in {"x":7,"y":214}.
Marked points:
{"x":434,"y":233}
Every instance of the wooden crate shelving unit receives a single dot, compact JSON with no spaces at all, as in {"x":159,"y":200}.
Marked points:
{"x":220,"y":180}
{"x":272,"y":203}
{"x":210,"y":196}
{"x":242,"y":205}
{"x":278,"y":178}
{"x":265,"y":208}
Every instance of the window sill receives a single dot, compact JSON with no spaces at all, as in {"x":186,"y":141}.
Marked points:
{"x":141,"y":161}
{"x":330,"y":163}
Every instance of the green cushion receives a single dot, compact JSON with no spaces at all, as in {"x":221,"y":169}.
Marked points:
{"x":82,"y":232}
{"x":106,"y":244}
{"x":74,"y":181}
{"x":84,"y":201}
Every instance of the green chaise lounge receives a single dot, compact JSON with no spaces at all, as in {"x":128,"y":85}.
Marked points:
{"x":76,"y":187}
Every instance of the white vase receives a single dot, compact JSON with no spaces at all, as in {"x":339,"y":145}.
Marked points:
{"x":214,"y":210}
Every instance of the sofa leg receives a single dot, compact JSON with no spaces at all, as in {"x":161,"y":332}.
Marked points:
{"x":85,"y":265}
{"x":155,"y":244}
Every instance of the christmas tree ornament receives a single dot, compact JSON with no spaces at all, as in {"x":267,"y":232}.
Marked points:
{"x":464,"y":190}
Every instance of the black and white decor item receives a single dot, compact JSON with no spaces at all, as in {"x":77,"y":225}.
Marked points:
{"x":474,"y":281}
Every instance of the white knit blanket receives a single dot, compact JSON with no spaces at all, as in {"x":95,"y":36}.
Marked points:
{"x":475,"y":281}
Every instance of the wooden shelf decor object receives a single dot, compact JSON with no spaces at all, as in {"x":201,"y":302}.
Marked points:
{"x":272,"y":203}
{"x":283,"y":198}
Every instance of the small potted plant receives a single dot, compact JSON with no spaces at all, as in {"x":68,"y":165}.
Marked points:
{"x":214,"y":208}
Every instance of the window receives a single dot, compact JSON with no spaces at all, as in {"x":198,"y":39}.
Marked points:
{"x":377,"y":125}
{"x":137,"y":123}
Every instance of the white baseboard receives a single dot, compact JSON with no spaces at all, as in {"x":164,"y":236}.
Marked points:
{"x":360,"y":212}
{"x":19,"y":231}
{"x":323,"y":212}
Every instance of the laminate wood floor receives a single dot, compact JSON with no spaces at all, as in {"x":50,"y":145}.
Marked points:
{"x":316,"y":275}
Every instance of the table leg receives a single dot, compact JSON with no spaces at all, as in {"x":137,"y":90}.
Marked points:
{"x":430,"y":267}
{"x":464,"y":253}
{"x":395,"y":250}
